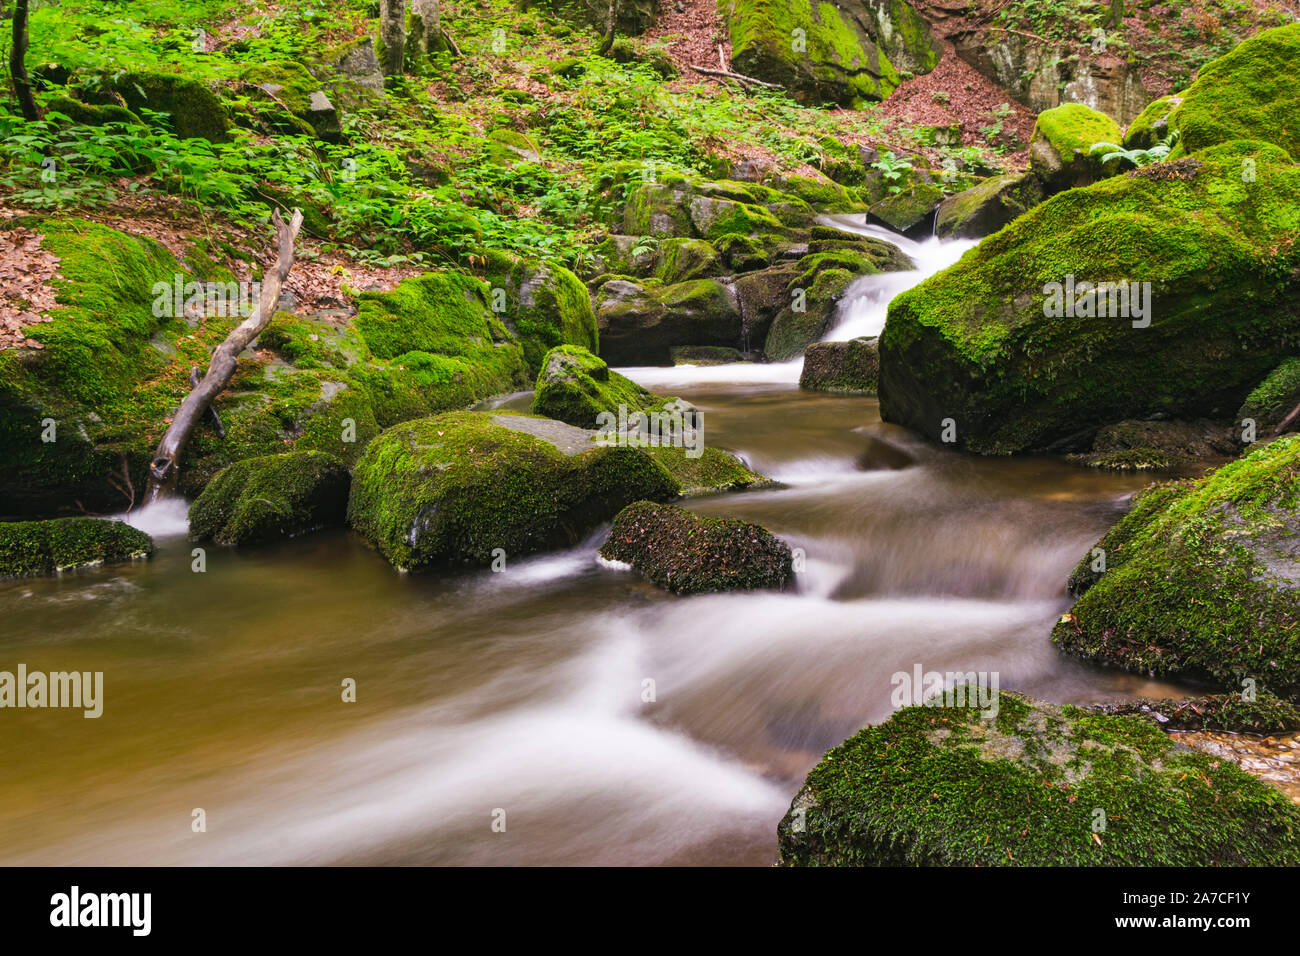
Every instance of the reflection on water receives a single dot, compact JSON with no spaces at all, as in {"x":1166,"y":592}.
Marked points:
{"x":525,"y":691}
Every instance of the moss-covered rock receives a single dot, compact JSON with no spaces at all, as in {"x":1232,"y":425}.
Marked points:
{"x":948,"y":786}
{"x":689,"y":554}
{"x":288,"y":85}
{"x":194,"y":110}
{"x":985,"y":208}
{"x":456,"y":487}
{"x":910,"y":211}
{"x":976,"y":343}
{"x":852,"y":367}
{"x":847,"y":53}
{"x":712,"y":470}
{"x":1154,"y":445}
{"x":575,"y":386}
{"x":808,"y":316}
{"x":680,"y":260}
{"x":61,"y":544}
{"x":544,"y":305}
{"x":276,"y":496}
{"x":1060,"y":150}
{"x":1229,"y":713}
{"x":117,"y":354}
{"x":90,"y":114}
{"x":640,"y":323}
{"x":1248,"y":93}
{"x":1272,"y":400}
{"x":1200,"y":579}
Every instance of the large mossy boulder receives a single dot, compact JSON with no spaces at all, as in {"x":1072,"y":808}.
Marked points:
{"x":641,"y":322}
{"x":576,"y":387}
{"x":275,"y":496}
{"x":291,"y":90}
{"x":849,"y":53}
{"x":689,"y":554}
{"x":194,"y":111}
{"x":986,"y":207}
{"x":62,"y":544}
{"x":989,"y":343}
{"x":1248,"y":93}
{"x":1200,"y":579}
{"x":852,"y":367}
{"x":544,"y":305}
{"x":951,"y":786}
{"x":1160,"y":444}
{"x":457,"y":487}
{"x":1060,"y":150}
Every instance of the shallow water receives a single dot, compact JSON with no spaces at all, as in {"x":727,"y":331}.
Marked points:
{"x":524,"y":692}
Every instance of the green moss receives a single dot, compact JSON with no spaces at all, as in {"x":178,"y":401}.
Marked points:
{"x":1200,"y":579}
{"x":793,"y":331}
{"x":260,"y":499}
{"x":689,"y":554}
{"x":456,"y":487}
{"x":194,"y":110}
{"x":1152,"y":124}
{"x":852,"y":367}
{"x":576,"y":387}
{"x":974,"y":344}
{"x":44,"y":547}
{"x":1248,"y":93}
{"x":90,"y":114}
{"x":1060,"y":150}
{"x":1216,"y":712}
{"x":679,"y":260}
{"x":841,"y":60}
{"x":545,"y":305}
{"x":985,"y":208}
{"x":941,"y":786}
{"x":713,"y":470}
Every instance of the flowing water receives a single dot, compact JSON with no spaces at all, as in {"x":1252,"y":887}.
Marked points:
{"x":523,"y":696}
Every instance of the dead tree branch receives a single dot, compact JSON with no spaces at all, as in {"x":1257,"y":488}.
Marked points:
{"x":739,"y":77}
{"x":165,"y":466}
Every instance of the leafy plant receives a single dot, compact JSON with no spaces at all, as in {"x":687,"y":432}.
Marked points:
{"x":1136,"y":157}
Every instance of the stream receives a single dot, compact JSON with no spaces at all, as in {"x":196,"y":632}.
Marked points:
{"x":522,"y":696}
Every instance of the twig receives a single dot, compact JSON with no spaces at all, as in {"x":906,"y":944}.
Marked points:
{"x":736,"y":76}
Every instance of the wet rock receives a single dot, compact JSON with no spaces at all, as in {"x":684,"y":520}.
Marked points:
{"x":1156,"y":445}
{"x":952,"y":786}
{"x":1201,"y":578}
{"x":988,"y":206}
{"x":852,"y":367}
{"x":911,"y":212}
{"x":689,"y":554}
{"x":62,"y":544}
{"x":276,"y":496}
{"x":576,"y":387}
{"x":640,"y":323}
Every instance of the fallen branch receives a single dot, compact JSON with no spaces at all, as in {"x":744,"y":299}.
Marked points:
{"x":195,"y":377}
{"x":1019,"y":33}
{"x":165,"y":466}
{"x":1286,"y":422}
{"x":736,"y":76}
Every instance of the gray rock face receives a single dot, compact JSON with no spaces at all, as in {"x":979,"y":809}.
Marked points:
{"x":1040,"y":77}
{"x":355,"y":77}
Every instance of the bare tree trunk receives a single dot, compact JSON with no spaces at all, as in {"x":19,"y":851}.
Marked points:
{"x":392,"y":35}
{"x":427,"y":37}
{"x":611,"y":20}
{"x":18,"y":66}
{"x":165,"y":467}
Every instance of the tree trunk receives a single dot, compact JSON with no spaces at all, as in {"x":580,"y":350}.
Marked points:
{"x":18,"y":66}
{"x":427,"y":36}
{"x":611,"y":22}
{"x":392,"y":35}
{"x":165,"y":467}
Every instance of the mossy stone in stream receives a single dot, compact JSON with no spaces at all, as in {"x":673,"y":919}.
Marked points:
{"x":983,"y":344}
{"x":689,"y":554}
{"x":60,"y":544}
{"x":985,"y":208}
{"x":276,"y":496}
{"x":1200,"y":579}
{"x":1217,"y":712}
{"x":576,"y":387}
{"x":852,"y":367}
{"x":456,"y":487}
{"x":948,"y":786}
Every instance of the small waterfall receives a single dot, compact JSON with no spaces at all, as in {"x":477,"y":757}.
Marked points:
{"x":865,"y":305}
